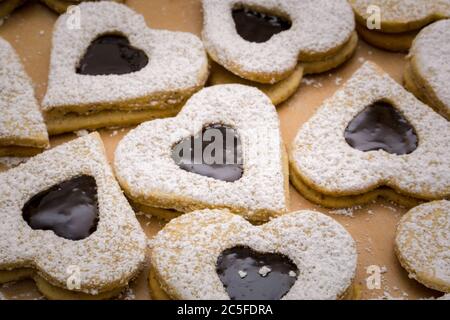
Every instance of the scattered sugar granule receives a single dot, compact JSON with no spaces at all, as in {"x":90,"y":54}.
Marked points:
{"x":242,"y":274}
{"x":383,"y":269}
{"x":338,"y":81}
{"x":81,"y":133}
{"x":41,"y":33}
{"x":361,"y":60}
{"x":264,"y":271}
{"x":114,"y":133}
{"x":292,"y":274}
{"x":308,"y":81}
{"x":370,"y":52}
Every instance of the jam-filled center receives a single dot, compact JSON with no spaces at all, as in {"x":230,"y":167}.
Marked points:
{"x":215,"y":153}
{"x":381,"y":127}
{"x":255,"y":26}
{"x":250,"y":275}
{"x":111,"y":54}
{"x":69,"y":209}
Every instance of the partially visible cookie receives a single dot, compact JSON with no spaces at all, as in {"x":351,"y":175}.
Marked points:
{"x":223,"y":150}
{"x":372,"y":138}
{"x":427,"y":74}
{"x":422,"y":244}
{"x":213,"y":254}
{"x":65,"y":223}
{"x":264,"y":43}
{"x":22,"y":128}
{"x":8,"y":6}
{"x":400,"y":20}
{"x":115,"y":71}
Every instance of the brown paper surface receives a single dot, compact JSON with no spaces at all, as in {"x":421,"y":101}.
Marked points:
{"x":29,"y":30}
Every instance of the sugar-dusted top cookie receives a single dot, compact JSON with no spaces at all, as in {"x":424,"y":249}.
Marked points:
{"x":21,"y":123}
{"x":423,"y":244}
{"x":430,"y":60}
{"x":213,"y":254}
{"x":147,"y":168}
{"x":374,"y":133}
{"x":307,"y":30}
{"x":63,"y":210}
{"x":402,"y":15}
{"x":175,"y":62}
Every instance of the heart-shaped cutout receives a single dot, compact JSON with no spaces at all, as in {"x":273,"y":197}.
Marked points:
{"x":153,"y":178}
{"x":216,"y":152}
{"x":111,"y":54}
{"x":250,"y":275}
{"x":69,"y":209}
{"x":381,"y":127}
{"x":256,"y":26}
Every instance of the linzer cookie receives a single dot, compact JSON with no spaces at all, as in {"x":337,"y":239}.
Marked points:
{"x":66,"y":224}
{"x":371,"y":139}
{"x":393,"y":24}
{"x":115,"y":71}
{"x":223,"y":150}
{"x":22,"y":128}
{"x":422,"y":244}
{"x":213,"y":254}
{"x":427,"y":74}
{"x":270,"y":44}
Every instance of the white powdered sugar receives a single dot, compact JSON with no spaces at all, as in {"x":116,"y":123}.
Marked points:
{"x":20,"y":120}
{"x":423,"y":243}
{"x":318,"y":26}
{"x":145,"y":168}
{"x":322,"y":156}
{"x":322,"y":249}
{"x":431,"y":55}
{"x":108,"y":258}
{"x":403,"y":11}
{"x":177,"y":60}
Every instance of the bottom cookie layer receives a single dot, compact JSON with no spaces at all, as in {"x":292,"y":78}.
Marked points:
{"x":18,"y":151}
{"x":396,"y":42}
{"x":53,"y":292}
{"x":349,"y":201}
{"x":73,"y":122}
{"x":422,"y":91}
{"x":282,"y":90}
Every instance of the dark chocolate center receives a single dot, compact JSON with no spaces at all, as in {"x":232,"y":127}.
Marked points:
{"x":250,"y":275}
{"x":111,"y":54}
{"x":215,"y":153}
{"x":69,"y":209}
{"x":381,"y":126}
{"x":256,"y":26}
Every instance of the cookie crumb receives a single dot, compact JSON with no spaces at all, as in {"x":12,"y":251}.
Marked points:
{"x":81,"y":133}
{"x":264,"y":271}
{"x":242,"y":274}
{"x":292,"y":274}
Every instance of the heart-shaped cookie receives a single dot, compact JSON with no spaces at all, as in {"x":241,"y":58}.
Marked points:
{"x":213,"y":254}
{"x":66,"y":224}
{"x":22,"y":128}
{"x":396,"y":22}
{"x":148,"y":169}
{"x":372,"y":138}
{"x":427,"y":74}
{"x":422,"y":244}
{"x":113,"y":70}
{"x":293,"y":31}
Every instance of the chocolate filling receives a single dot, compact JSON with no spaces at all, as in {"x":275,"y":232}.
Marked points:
{"x":381,"y":127}
{"x":215,"y":153}
{"x":69,"y":209}
{"x":111,"y":54}
{"x":250,"y":275}
{"x":256,"y":26}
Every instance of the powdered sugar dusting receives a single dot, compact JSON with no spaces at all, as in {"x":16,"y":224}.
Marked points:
{"x":423,"y":242}
{"x":144,"y":165}
{"x":109,"y":257}
{"x":318,"y":26}
{"x":431,"y":53}
{"x":186,"y":252}
{"x":20,"y":116}
{"x":177,"y":60}
{"x":323,"y":157}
